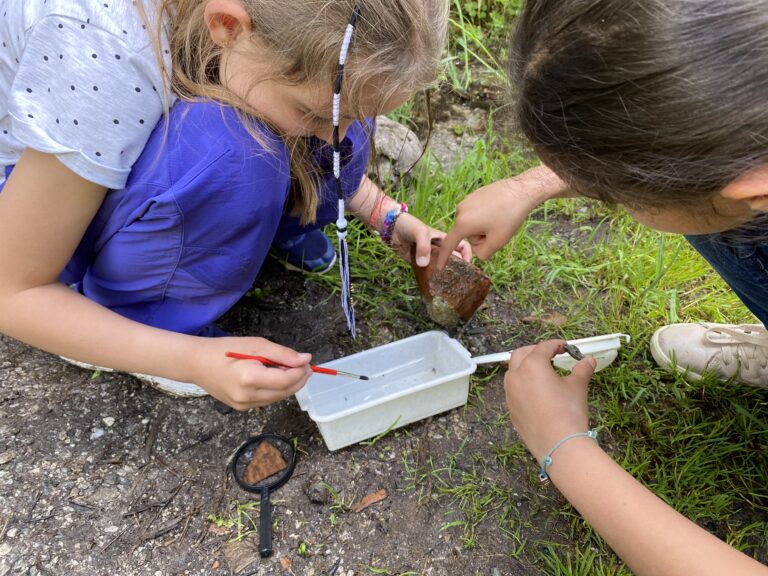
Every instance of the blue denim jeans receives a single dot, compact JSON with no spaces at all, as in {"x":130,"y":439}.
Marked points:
{"x":741,"y":258}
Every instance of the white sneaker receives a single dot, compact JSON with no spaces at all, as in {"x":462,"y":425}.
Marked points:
{"x":725,"y":350}
{"x":166,"y":385}
{"x":172,"y":387}
{"x":85,"y":365}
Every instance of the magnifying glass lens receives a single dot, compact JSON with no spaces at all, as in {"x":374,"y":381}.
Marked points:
{"x":263,"y":463}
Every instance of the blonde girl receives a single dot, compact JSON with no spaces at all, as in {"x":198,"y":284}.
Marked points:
{"x":138,"y":234}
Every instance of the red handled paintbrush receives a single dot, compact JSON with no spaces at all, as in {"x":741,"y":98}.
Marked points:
{"x":316,"y":369}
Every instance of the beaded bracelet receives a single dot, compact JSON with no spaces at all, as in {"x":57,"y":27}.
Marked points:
{"x":547,"y":460}
{"x":390,"y":220}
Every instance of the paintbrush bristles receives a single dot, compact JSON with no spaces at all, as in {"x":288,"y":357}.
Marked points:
{"x":350,"y":375}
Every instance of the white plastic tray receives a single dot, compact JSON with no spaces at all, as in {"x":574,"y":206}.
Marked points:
{"x":410,"y":379}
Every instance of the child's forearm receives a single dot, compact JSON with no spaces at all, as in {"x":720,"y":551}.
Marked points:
{"x":651,"y":537}
{"x":58,"y":320}
{"x":542,"y":184}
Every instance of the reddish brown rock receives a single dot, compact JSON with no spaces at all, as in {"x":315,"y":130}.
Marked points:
{"x":453,"y":294}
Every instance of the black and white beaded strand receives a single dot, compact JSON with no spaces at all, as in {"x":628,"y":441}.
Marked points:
{"x":341,"y":222}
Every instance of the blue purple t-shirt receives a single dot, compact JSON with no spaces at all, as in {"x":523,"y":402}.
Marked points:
{"x":185,"y":239}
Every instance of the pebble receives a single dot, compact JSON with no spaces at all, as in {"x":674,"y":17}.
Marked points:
{"x":97,"y":433}
{"x":316,"y":490}
{"x":108,"y":421}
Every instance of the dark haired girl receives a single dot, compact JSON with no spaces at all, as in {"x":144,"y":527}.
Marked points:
{"x":658,"y":106}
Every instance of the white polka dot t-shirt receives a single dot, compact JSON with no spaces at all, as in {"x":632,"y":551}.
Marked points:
{"x":78,"y":79}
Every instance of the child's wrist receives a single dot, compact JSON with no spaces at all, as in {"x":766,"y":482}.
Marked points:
{"x":571,"y":457}
{"x":541,"y":184}
{"x":383,"y":205}
{"x":384,"y":217}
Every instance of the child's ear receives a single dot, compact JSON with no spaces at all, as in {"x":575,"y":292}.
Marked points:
{"x":226,"y":20}
{"x":751,"y":188}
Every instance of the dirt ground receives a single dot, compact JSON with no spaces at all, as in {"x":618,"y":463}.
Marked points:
{"x":104,"y":475}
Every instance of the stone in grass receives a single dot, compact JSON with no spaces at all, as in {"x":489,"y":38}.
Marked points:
{"x":451,"y":295}
{"x":267,"y":461}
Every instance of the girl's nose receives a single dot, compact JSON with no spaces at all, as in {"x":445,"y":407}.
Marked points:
{"x":327,"y":134}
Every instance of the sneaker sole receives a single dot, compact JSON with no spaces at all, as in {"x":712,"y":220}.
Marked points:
{"x":165,"y":385}
{"x":666,"y":362}
{"x":85,"y":365}
{"x":171,"y":387}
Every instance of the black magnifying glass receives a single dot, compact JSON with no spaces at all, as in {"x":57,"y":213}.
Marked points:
{"x":261,"y":465}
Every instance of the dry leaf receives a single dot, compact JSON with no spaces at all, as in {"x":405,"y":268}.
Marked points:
{"x":286,"y":563}
{"x":218,"y":530}
{"x":551,"y":317}
{"x":267,"y":461}
{"x":216,"y":565}
{"x":369,"y":500}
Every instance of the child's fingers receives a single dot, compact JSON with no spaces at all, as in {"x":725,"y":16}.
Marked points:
{"x":283,"y":355}
{"x":448,"y":244}
{"x":464,"y":251}
{"x":423,"y":241}
{"x":543,"y":352}
{"x":584,"y":369}
{"x":278,"y":379}
{"x":264,"y":396}
{"x":546,"y":350}
{"x":488,"y":244}
{"x":519,"y":355}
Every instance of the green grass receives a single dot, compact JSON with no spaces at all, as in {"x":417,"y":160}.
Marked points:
{"x":702,"y":447}
{"x":478,"y":35}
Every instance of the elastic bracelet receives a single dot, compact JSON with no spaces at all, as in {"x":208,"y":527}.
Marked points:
{"x":390,"y":220}
{"x":547,"y":461}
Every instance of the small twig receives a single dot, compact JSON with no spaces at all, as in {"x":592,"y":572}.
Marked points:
{"x":163,"y":506}
{"x":165,"y":528}
{"x":5,"y":527}
{"x":142,"y":509}
{"x":202,"y":537}
{"x":132,"y":496}
{"x":80,"y":506}
{"x":168,"y":469}
{"x":204,"y":438}
{"x":333,"y":569}
{"x":34,"y":505}
{"x":187,"y":523}
{"x":153,"y":431}
{"x":115,"y":539}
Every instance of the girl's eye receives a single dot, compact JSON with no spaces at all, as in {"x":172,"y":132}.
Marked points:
{"x":311,"y":118}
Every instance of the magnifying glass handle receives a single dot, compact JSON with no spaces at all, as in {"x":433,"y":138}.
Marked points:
{"x":265,"y":525}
